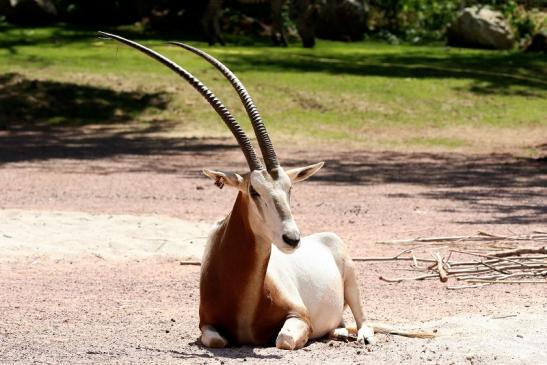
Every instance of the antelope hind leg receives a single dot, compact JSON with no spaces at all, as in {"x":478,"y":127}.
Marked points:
{"x":293,"y":335}
{"x":211,"y":338}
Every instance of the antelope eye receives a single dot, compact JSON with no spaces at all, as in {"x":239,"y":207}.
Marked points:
{"x":253,"y":192}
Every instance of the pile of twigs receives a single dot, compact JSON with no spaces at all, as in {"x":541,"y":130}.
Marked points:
{"x":514,"y":266}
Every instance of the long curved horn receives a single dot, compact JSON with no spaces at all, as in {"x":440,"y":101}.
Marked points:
{"x":261,"y":133}
{"x":244,"y":142}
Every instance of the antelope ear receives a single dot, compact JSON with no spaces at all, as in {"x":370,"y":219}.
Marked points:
{"x":221,"y":178}
{"x":302,"y":173}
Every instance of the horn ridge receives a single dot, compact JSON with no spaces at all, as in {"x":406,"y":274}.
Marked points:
{"x":266,"y":147}
{"x":244,"y":142}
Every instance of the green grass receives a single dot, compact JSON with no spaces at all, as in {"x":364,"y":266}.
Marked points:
{"x":368,"y":95}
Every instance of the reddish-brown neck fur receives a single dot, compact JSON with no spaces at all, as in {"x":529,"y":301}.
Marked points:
{"x":235,"y":263}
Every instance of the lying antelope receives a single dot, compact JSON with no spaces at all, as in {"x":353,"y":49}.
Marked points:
{"x":252,"y":291}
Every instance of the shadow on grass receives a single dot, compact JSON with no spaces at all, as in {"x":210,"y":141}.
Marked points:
{"x":43,"y":120}
{"x":26,"y":103}
{"x":490,"y":73}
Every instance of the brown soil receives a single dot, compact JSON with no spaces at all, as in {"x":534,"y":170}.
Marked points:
{"x":93,"y":309}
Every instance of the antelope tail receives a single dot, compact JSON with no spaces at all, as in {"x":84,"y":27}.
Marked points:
{"x":391,"y":330}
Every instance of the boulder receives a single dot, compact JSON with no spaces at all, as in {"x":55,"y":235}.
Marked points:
{"x":538,"y":42}
{"x":342,"y":20}
{"x":481,"y":27}
{"x":30,"y":11}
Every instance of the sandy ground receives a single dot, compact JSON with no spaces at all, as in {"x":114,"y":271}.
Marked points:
{"x":74,"y":236}
{"x":92,"y":233}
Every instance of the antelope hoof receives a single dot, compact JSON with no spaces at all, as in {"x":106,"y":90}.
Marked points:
{"x":211,"y":338}
{"x":293,"y":335}
{"x":285,"y":341}
{"x":341,"y":334}
{"x":365,"y":335}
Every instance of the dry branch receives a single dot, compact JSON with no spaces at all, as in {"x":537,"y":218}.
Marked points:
{"x":480,"y":236}
{"x":494,"y":268}
{"x":490,"y":256}
{"x":521,"y":251}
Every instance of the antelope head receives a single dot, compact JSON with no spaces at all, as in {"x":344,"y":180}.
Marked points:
{"x":267,"y":191}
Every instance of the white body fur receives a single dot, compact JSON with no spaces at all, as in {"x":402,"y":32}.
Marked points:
{"x":313,"y":276}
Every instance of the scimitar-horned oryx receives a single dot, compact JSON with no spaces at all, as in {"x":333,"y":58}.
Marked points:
{"x":255,"y":292}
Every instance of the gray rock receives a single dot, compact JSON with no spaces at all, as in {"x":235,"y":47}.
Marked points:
{"x":342,"y":19}
{"x":481,"y":27}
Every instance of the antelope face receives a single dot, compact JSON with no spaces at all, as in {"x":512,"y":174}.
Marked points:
{"x":269,"y":194}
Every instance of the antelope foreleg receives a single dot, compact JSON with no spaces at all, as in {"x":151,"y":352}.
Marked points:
{"x":365,"y":334}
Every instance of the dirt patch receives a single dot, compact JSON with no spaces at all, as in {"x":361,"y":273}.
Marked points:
{"x":67,"y":195}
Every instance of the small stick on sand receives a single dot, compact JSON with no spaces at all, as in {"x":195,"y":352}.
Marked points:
{"x":507,"y":316}
{"x":398,"y":280}
{"x":440,"y":268}
{"x":394,"y":258}
{"x":415,"y":261}
{"x":507,"y":281}
{"x":190,"y":262}
{"x":467,"y":286}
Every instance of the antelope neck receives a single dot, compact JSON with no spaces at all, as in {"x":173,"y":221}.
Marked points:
{"x":242,"y":236}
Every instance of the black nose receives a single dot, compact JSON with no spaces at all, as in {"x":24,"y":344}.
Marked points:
{"x":291,"y":239}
